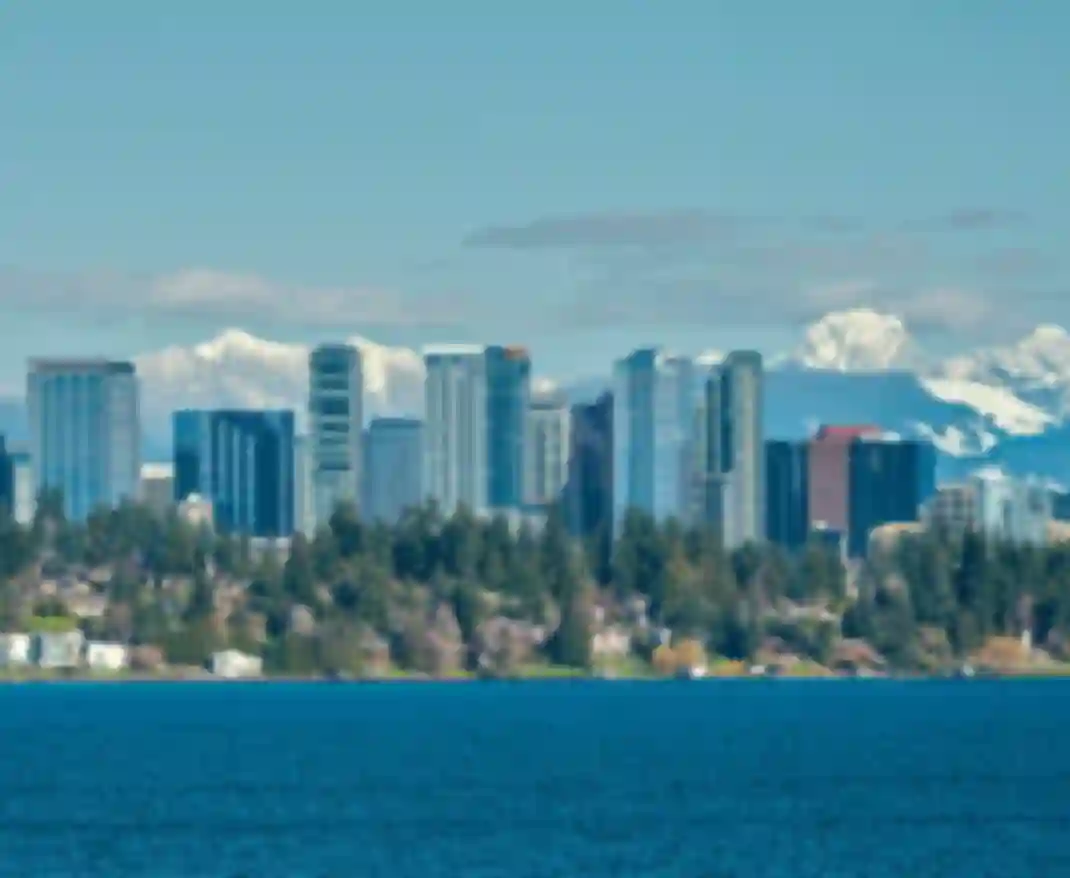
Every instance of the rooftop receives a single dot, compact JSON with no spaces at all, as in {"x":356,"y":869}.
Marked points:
{"x":454,"y":350}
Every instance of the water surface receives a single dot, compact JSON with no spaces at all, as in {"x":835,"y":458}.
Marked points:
{"x":718,"y":779}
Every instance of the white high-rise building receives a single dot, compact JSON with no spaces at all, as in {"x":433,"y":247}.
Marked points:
{"x":546,"y":453}
{"x":335,"y":425}
{"x":455,"y":428}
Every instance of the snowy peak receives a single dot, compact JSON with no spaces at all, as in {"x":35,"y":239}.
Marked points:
{"x":858,"y":340}
{"x":237,"y":344}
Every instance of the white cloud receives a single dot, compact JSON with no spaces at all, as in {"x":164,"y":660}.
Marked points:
{"x":212,"y":295}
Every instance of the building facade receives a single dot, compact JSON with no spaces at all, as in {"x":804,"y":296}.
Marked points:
{"x":547,"y":450}
{"x":890,"y":480}
{"x":335,"y":425}
{"x":953,"y":508}
{"x":654,"y":402}
{"x":7,"y":479}
{"x":85,"y":434}
{"x":23,"y":487}
{"x":829,"y":477}
{"x":242,"y":462}
{"x":157,"y":488}
{"x":508,"y":372}
{"x":590,"y":468}
{"x":735,"y":398}
{"x":1015,"y":510}
{"x":393,"y":467}
{"x":455,"y":428}
{"x":995,"y":504}
{"x":787,"y":493}
{"x":304,"y":497}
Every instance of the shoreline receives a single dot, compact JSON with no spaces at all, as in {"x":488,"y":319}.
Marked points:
{"x":178,"y":679}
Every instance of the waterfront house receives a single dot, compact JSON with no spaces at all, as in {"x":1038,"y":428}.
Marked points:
{"x":614,"y":641}
{"x":15,"y":650}
{"x":108,"y":657}
{"x":232,"y":664}
{"x":59,"y":649}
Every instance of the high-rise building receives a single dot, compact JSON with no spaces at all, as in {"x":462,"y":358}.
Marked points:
{"x":393,"y":467}
{"x":336,"y":425}
{"x":828,"y":476}
{"x":654,"y":403}
{"x":546,"y":469}
{"x":455,"y":428}
{"x":712,"y":474}
{"x":590,"y":464}
{"x":890,"y":480}
{"x":508,"y":371}
{"x":787,"y":493}
{"x":7,"y":479}
{"x":735,"y":398}
{"x":243,"y":463}
{"x":85,"y":438}
{"x":304,"y":498}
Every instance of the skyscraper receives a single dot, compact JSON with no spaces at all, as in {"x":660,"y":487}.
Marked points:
{"x":7,"y":479}
{"x":243,"y":462}
{"x":304,"y":498}
{"x":735,"y":413}
{"x":546,"y":469}
{"x":455,"y":429}
{"x":590,"y":462}
{"x":787,"y":486}
{"x":654,"y":403}
{"x":84,"y":432}
{"x":336,"y":424}
{"x":393,"y":467}
{"x":890,"y":481}
{"x":828,"y":476}
{"x":508,"y":372}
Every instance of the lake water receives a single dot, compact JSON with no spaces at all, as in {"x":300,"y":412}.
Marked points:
{"x":732,"y":779}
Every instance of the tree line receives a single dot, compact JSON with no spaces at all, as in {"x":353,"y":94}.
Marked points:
{"x":460,"y":593}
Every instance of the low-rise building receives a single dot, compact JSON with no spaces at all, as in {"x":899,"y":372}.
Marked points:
{"x":15,"y":650}
{"x":197,"y":511}
{"x":233,"y":664}
{"x":103,"y":656}
{"x":157,"y":487}
{"x":59,"y":649}
{"x":995,"y":504}
{"x":612,"y":642}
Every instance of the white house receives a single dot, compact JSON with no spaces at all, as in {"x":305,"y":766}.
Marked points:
{"x":60,"y":649}
{"x":15,"y":650}
{"x":232,"y":664}
{"x":103,"y":656}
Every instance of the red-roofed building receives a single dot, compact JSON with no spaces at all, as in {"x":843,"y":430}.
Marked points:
{"x":828,"y":474}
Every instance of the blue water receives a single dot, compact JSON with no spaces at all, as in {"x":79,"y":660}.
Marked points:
{"x":592,"y":780}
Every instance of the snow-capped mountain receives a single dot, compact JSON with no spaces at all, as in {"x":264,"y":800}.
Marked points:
{"x":1007,"y":405}
{"x":858,"y":340}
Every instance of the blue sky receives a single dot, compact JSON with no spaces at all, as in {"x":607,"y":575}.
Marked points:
{"x":581,"y":177}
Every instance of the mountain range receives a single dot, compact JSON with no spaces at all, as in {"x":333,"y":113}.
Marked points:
{"x":1007,"y":405}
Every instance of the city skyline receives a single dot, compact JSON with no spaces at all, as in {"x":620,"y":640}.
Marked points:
{"x":675,"y":439}
{"x":319,"y":174}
